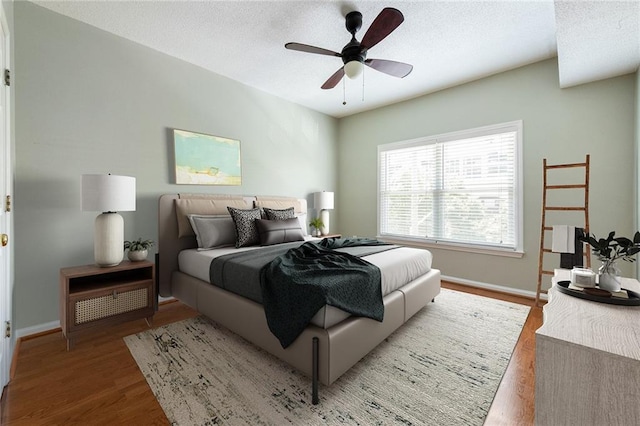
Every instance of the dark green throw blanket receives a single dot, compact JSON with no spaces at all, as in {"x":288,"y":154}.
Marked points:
{"x":298,"y":283}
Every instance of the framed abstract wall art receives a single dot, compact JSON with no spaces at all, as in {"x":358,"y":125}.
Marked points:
{"x":206,"y":160}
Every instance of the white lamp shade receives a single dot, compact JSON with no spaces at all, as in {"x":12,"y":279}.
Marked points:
{"x":323,"y":200}
{"x":108,"y":193}
{"x":353,"y":69}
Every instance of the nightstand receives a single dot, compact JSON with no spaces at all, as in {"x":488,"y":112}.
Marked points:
{"x":92,"y":297}
{"x":332,"y":236}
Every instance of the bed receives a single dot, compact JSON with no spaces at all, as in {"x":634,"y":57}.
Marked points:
{"x":335,"y":340}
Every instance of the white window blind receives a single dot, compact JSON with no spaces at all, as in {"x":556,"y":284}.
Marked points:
{"x":461,"y":188}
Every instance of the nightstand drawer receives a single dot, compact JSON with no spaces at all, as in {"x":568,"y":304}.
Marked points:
{"x":112,"y":303}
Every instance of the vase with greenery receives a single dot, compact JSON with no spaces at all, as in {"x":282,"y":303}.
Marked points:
{"x":138,"y":249}
{"x":317,"y":225}
{"x":609,"y":250}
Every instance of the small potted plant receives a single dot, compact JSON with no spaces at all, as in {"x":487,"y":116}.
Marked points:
{"x":138,"y":249}
{"x":317,"y":225}
{"x":609,"y":250}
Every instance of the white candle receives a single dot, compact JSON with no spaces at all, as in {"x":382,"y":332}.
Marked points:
{"x":583,"y":277}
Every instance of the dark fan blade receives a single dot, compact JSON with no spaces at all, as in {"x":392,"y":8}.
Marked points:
{"x":384,"y":24}
{"x":311,"y":49}
{"x":334,"y":79}
{"x":396,"y":69}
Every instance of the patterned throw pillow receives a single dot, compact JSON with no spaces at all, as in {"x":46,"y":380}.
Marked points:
{"x":246,"y":231}
{"x":273,"y":214}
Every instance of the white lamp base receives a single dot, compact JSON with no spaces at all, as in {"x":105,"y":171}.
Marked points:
{"x":324,"y":217}
{"x":108,"y":241}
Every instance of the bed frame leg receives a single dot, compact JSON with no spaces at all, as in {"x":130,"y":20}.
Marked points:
{"x":314,"y":372}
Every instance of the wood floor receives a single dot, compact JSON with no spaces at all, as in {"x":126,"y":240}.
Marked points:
{"x":98,"y":382}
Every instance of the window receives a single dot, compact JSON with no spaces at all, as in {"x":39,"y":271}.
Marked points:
{"x":461,"y":189}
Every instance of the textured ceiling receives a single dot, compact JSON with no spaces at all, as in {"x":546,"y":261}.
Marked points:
{"x":447,"y":42}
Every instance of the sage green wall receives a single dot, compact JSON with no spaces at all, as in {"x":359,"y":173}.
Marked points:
{"x":87,"y":101}
{"x":560,"y":124}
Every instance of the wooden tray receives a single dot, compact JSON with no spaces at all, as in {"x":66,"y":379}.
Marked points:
{"x":633,"y":300}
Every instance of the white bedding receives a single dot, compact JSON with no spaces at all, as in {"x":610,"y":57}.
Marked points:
{"x":397,"y":267}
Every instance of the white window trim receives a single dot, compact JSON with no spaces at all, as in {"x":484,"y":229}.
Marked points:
{"x":463,"y":134}
{"x":423,"y":243}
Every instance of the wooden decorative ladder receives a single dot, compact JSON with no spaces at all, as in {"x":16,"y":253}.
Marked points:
{"x":546,"y":228}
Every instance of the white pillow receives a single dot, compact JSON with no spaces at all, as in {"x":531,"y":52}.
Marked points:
{"x":302,"y":218}
{"x":213,"y":231}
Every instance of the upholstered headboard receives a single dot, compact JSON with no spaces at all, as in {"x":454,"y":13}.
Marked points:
{"x":173,"y":235}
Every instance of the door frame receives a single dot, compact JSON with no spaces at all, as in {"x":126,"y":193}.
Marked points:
{"x":6,"y":222}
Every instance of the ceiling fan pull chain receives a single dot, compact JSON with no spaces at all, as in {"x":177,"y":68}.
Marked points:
{"x":363,"y":85}
{"x":344,"y":92}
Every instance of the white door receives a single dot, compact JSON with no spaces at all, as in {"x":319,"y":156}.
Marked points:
{"x":6,"y":186}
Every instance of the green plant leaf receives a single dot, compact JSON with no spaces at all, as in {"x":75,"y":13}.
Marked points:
{"x":316,"y":223}
{"x":603,"y":244}
{"x":624,"y":241}
{"x":138,"y":244}
{"x":633,"y":250}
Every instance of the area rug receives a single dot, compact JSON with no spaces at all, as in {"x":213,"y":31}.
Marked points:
{"x":442,"y":367}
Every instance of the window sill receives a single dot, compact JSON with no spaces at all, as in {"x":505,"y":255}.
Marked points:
{"x":453,"y":247}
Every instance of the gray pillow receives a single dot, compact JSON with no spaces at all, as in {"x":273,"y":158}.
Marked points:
{"x":213,"y":231}
{"x":279,"y":231}
{"x":245,"y":227}
{"x":273,"y":214}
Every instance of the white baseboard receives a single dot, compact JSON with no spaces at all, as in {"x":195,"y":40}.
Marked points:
{"x":27,"y":331}
{"x":487,"y":286}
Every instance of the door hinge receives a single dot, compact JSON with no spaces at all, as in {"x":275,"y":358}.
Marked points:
{"x":7,"y":77}
{"x":7,"y":207}
{"x":7,"y":331}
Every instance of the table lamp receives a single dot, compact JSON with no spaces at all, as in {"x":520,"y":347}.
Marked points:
{"x":323,"y":202}
{"x":108,"y":194}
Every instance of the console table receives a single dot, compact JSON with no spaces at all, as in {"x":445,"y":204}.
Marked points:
{"x":587,"y":361}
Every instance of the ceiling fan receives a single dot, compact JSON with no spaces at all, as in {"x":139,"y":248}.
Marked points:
{"x":354,"y":53}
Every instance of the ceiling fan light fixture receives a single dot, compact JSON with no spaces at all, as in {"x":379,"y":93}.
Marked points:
{"x":353,"y":69}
